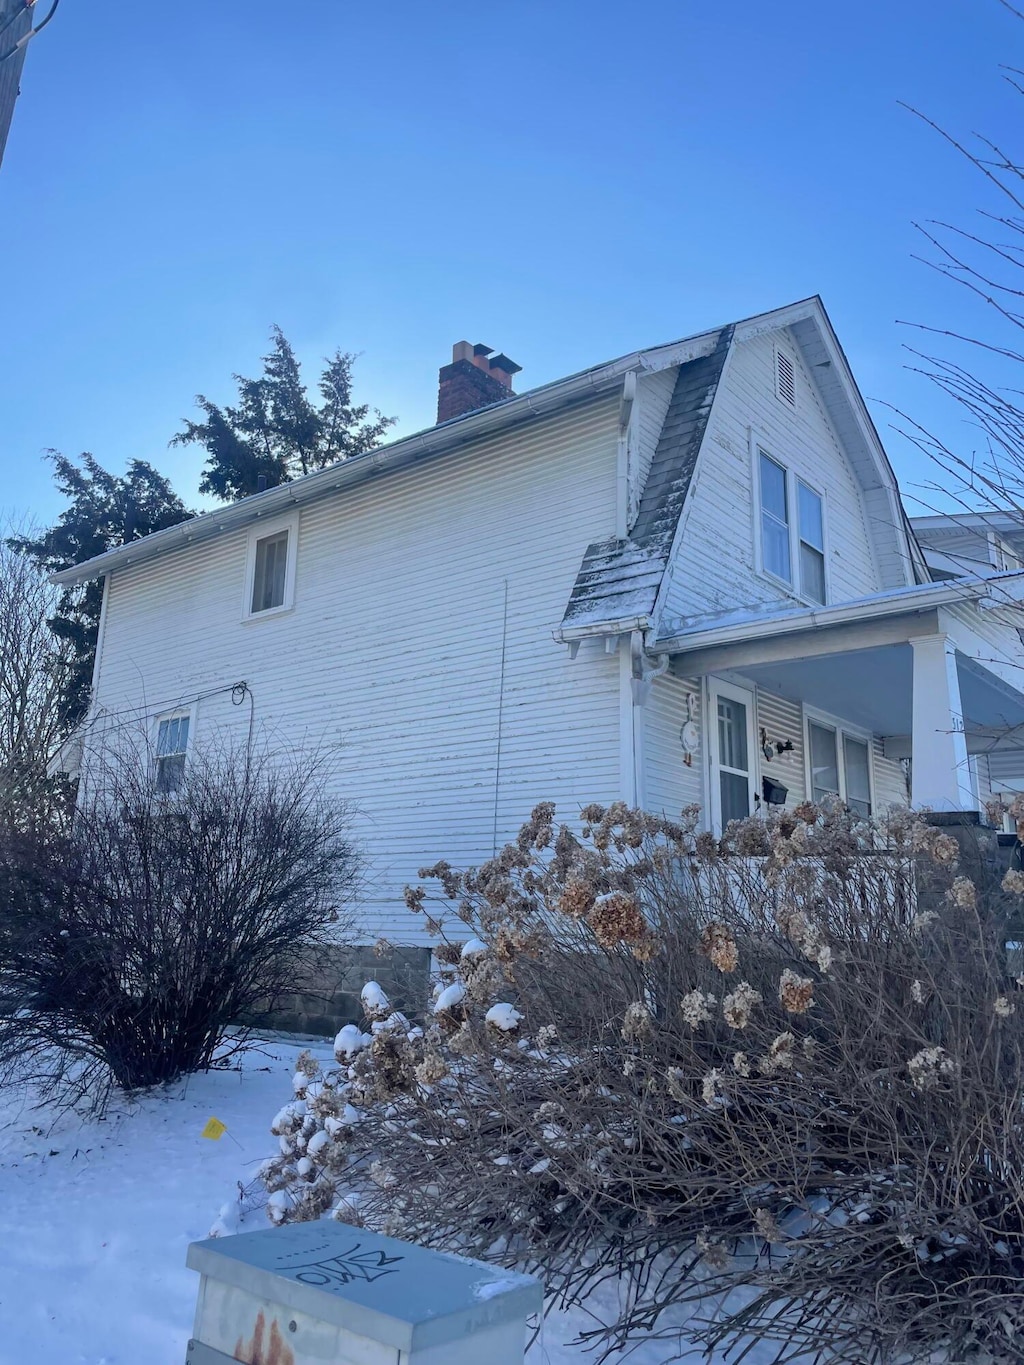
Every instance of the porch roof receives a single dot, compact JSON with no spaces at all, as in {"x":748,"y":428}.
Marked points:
{"x":760,"y":624}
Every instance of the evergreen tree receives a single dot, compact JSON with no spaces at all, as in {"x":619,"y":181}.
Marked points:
{"x":104,"y":510}
{"x":275,"y":431}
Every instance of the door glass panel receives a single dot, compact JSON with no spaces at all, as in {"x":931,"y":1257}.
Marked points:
{"x":735,"y":791}
{"x":732,"y":734}
{"x":824,"y":762}
{"x":858,"y":775}
{"x":733,"y":760}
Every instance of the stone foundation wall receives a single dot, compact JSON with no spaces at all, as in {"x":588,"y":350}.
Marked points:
{"x":328,"y":996}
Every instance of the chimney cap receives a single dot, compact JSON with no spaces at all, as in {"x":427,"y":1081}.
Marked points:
{"x":502,"y":362}
{"x":481,"y":349}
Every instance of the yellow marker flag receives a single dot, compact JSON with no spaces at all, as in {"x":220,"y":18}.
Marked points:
{"x":214,"y":1129}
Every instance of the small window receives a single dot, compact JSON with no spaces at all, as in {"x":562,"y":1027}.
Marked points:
{"x":824,"y":755}
{"x":812,"y":542}
{"x":270,"y":568}
{"x":171,"y":748}
{"x":268,"y":580}
{"x":839,"y":765}
{"x":785,"y":378}
{"x":775,"y":519}
{"x":857,"y":771}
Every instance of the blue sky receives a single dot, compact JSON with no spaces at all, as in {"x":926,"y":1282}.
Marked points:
{"x":564,"y":181}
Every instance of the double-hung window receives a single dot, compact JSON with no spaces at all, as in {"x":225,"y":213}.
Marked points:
{"x":270,"y":568}
{"x":171,"y":750}
{"x":792,"y":529}
{"x":839,"y":765}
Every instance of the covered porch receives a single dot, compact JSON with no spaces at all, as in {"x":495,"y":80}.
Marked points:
{"x":907,"y":695}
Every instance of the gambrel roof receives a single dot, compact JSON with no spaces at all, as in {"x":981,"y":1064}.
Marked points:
{"x":621,"y":581}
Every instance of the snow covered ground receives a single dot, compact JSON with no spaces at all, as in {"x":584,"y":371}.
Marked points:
{"x":96,"y":1218}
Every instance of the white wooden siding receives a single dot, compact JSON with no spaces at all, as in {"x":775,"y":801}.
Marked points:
{"x":653,"y":396}
{"x":669,"y":782}
{"x":392,"y":656}
{"x":783,"y":720}
{"x":714,"y":566}
{"x":890,"y":779}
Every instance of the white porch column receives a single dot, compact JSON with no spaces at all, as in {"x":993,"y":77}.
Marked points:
{"x":940,"y":775}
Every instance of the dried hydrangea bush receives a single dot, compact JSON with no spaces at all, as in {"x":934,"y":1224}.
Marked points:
{"x":787,"y":1061}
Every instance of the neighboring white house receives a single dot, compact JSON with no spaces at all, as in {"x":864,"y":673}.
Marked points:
{"x":685,"y":576}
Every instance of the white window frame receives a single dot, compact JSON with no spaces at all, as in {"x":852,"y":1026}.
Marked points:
{"x":260,"y":532}
{"x":175,"y":713}
{"x":841,"y":728}
{"x":721,"y":687}
{"x":759,"y":447}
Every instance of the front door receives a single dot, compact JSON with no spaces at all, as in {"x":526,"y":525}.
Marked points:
{"x":733,"y":754}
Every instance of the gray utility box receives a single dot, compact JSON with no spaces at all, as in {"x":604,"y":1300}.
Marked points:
{"x":329,"y":1294}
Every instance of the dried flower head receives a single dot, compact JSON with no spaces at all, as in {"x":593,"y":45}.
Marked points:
{"x":806,"y":811}
{"x":1013,"y":882}
{"x":739,"y":1004}
{"x":917,"y":992}
{"x":414,"y":897}
{"x":944,"y":850}
{"x":796,"y":992}
{"x":676,"y":1079}
{"x":637,"y":1024}
{"x":766,"y":1225}
{"x":712,"y":1253}
{"x":433,"y":1068}
{"x":741,"y":1063}
{"x":921,"y":921}
{"x":963,"y":893}
{"x":696,"y":1006}
{"x":929,"y":1066}
{"x":779,"y":1056}
{"x":1003,"y":1007}
{"x":617,"y":918}
{"x":711,"y":1086}
{"x":577,"y":898}
{"x":719,"y":946}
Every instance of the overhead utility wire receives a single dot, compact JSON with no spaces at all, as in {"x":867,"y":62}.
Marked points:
{"x":30,"y":34}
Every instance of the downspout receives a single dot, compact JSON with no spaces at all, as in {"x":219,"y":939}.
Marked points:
{"x":643,"y":669}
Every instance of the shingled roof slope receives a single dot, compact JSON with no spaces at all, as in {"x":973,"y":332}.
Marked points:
{"x":619,"y":579}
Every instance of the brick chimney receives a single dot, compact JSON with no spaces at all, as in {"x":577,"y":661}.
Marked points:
{"x":476,"y":378}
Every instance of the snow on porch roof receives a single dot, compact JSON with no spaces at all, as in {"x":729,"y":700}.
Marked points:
{"x":991,"y":590}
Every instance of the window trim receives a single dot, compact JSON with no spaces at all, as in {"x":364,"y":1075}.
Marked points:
{"x":261,"y":531}
{"x":714,"y":688}
{"x":174,"y":713}
{"x":842,"y":728}
{"x":758,"y":447}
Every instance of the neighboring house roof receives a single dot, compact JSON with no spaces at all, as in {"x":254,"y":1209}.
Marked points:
{"x":15,"y":22}
{"x":620,"y":581}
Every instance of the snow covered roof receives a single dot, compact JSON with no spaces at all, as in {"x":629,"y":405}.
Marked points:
{"x":618,"y":580}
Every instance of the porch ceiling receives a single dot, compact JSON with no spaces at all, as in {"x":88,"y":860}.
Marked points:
{"x":873,"y":688}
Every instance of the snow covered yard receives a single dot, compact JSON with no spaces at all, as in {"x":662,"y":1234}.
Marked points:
{"x":97,"y":1217}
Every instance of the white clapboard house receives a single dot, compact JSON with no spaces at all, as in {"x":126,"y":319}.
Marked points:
{"x":684,"y":576}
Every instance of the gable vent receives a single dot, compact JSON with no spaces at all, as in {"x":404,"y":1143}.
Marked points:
{"x":785,"y":378}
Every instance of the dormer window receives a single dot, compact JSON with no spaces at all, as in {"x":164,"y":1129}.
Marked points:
{"x":270,"y":569}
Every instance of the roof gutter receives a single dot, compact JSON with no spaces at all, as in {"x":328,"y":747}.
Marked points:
{"x":537,"y":403}
{"x":912,"y":600}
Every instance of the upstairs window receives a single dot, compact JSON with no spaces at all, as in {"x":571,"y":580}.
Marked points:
{"x":171,"y":750}
{"x":792,"y":529}
{"x":775,"y":519}
{"x":270,"y":571}
{"x":812,"y":542}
